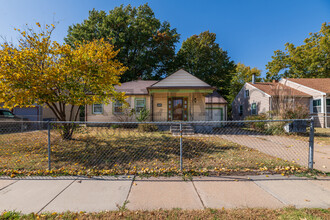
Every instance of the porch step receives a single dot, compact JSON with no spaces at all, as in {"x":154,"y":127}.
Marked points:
{"x":187,"y":129}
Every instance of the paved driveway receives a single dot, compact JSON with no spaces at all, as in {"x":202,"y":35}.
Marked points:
{"x":284,"y":147}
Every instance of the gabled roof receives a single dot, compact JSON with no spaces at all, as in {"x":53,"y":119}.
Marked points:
{"x":180,"y":79}
{"x":215,"y":98}
{"x":138,"y":87}
{"x":276,"y":89}
{"x":320,"y":84}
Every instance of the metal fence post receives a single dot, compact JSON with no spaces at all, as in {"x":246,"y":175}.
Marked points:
{"x":49,"y":148}
{"x":311,"y":145}
{"x":180,"y":146}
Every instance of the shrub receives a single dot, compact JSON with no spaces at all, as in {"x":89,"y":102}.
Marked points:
{"x":143,"y":115}
{"x":258,"y":126}
{"x":276,"y":128}
{"x":147,"y":127}
{"x":115,"y":126}
{"x":298,"y":112}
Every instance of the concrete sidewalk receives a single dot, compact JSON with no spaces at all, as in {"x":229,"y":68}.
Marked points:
{"x":47,"y":194}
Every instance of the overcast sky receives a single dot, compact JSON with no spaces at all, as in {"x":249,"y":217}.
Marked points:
{"x":249,"y":30}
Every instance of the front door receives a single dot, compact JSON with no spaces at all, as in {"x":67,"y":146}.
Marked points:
{"x":177,"y":108}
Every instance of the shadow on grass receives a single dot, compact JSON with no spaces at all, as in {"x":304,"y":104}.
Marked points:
{"x":130,"y":151}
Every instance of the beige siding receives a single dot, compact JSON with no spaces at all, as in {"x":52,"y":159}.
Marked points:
{"x":47,"y":113}
{"x":320,"y":120}
{"x":109,"y":116}
{"x":255,"y":96}
{"x":196,"y":106}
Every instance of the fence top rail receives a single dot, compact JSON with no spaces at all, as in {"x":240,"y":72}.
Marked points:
{"x":159,"y":122}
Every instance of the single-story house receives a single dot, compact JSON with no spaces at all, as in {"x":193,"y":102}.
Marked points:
{"x":178,"y":97}
{"x":263,"y":97}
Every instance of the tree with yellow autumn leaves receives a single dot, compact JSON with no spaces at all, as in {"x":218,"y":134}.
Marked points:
{"x":44,"y":72}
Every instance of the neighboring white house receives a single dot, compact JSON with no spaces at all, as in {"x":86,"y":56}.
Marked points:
{"x":258,"y":97}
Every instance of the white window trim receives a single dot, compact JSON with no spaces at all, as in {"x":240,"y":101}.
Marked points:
{"x":139,"y":99}
{"x":321,"y":106}
{"x":97,"y":113}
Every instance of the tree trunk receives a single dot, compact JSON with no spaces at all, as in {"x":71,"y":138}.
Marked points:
{"x":67,"y":131}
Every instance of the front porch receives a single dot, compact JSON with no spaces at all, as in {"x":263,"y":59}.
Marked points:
{"x":186,"y":106}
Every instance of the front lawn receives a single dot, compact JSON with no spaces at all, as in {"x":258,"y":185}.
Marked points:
{"x":128,"y":151}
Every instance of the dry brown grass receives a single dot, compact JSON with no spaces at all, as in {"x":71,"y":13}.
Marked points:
{"x":128,"y":151}
{"x":286,"y":213}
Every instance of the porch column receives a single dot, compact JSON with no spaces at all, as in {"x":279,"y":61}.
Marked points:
{"x":152,"y":106}
{"x":325,"y":111}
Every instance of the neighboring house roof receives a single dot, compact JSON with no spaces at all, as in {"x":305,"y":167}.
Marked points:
{"x":320,"y":84}
{"x":180,"y":79}
{"x":215,"y":98}
{"x":138,"y":87}
{"x":276,"y":88}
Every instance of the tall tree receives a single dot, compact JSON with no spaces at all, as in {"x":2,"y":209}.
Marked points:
{"x":310,"y":60}
{"x":147,"y":46}
{"x":44,"y":72}
{"x":242,"y":75}
{"x":202,"y":56}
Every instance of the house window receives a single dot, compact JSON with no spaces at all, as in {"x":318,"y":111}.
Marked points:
{"x":240,"y":110}
{"x":97,"y":109}
{"x":317,"y":106}
{"x":117,"y":107}
{"x":254,"y":109}
{"x":140,"y":104}
{"x":328,"y":105}
{"x":247,"y":93}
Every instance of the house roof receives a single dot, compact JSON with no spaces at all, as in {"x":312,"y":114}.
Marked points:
{"x":215,"y":98}
{"x":180,"y":79}
{"x":320,"y":84}
{"x":137,"y":87}
{"x":276,"y":88}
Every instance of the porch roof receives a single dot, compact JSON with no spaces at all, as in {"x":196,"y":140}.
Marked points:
{"x":215,"y":98}
{"x":180,"y":79}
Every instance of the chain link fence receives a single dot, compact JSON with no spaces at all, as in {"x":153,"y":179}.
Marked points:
{"x":156,"y":147}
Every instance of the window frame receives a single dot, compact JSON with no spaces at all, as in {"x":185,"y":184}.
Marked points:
{"x":93,"y":109}
{"x":114,"y":106}
{"x":316,"y":107}
{"x":136,"y":106}
{"x":256,"y":111}
{"x":246,"y":93}
{"x":240,"y":110}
